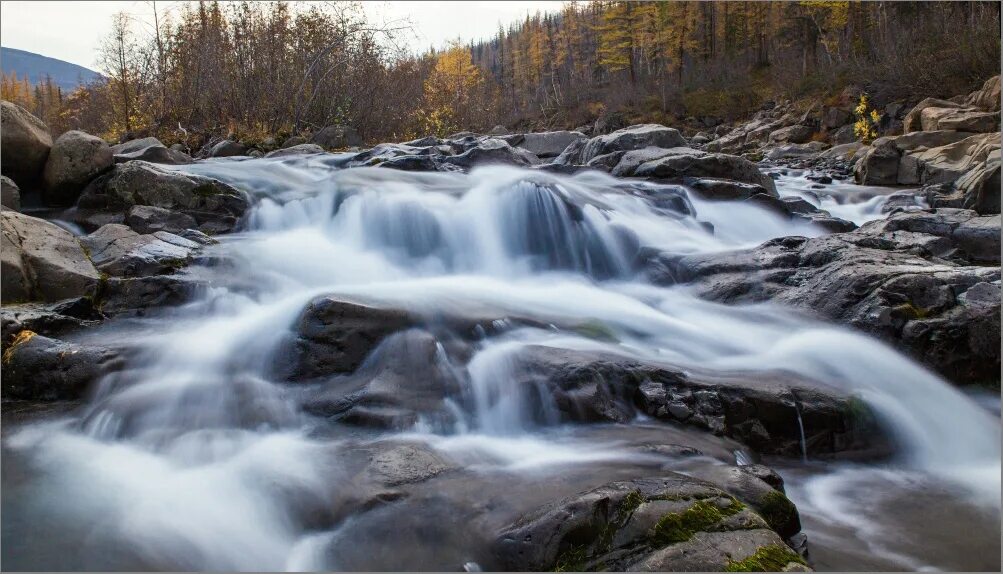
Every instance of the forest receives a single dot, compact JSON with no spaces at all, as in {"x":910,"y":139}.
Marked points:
{"x":258,"y":70}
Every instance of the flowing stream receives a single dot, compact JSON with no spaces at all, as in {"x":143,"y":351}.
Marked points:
{"x":196,"y":457}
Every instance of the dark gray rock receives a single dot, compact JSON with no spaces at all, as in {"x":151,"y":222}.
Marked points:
{"x":631,"y":138}
{"x":75,"y":159}
{"x":337,"y":137}
{"x":48,"y":319}
{"x":334,"y":336}
{"x":549,"y":144}
{"x":228,"y":148}
{"x":299,"y":149}
{"x":147,"y":219}
{"x":215,"y":205}
{"x":680,"y":163}
{"x":150,"y":150}
{"x":43,"y":369}
{"x":669,"y":523}
{"x":118,"y":250}
{"x":882,"y":279}
{"x":492,"y":151}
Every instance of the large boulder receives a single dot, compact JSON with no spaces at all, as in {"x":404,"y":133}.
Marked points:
{"x":42,"y":261}
{"x":403,"y":381}
{"x":947,"y":163}
{"x":987,"y":98}
{"x":150,"y":219}
{"x":38,"y":368}
{"x":149,"y":149}
{"x":796,"y":134}
{"x":10,"y":194}
{"x":492,"y":151}
{"x":74,"y":160}
{"x":24,"y":144}
{"x":215,"y":205}
{"x":760,"y":410}
{"x":682,"y":162}
{"x":977,"y":189}
{"x":336,"y":137}
{"x":959,"y":119}
{"x":918,"y":280}
{"x":299,"y":149}
{"x":671,"y":522}
{"x":913,"y":120}
{"x":117,"y":250}
{"x":334,"y":335}
{"x":631,"y":138}
{"x":228,"y":148}
{"x":549,"y":144}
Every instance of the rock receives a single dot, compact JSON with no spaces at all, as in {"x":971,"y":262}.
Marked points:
{"x":42,"y":261}
{"x":879,"y":165}
{"x":632,"y":138}
{"x":149,"y":219}
{"x":900,"y":279}
{"x":74,"y":160}
{"x":24,"y":144}
{"x":117,"y":250}
{"x":757,"y":409}
{"x":294,"y":141}
{"x":549,"y":144}
{"x":987,"y":98}
{"x":793,"y":150}
{"x":228,"y":148}
{"x":959,"y":119}
{"x":336,"y":137}
{"x":833,"y":118}
{"x":215,"y":205}
{"x":299,"y":149}
{"x":677,"y":163}
{"x":843,"y":151}
{"x":401,"y":382}
{"x":492,"y":151}
{"x":49,"y":319}
{"x":912,"y":121}
{"x":10,"y":195}
{"x":724,"y":189}
{"x":947,"y":163}
{"x":791,"y":134}
{"x":334,"y":336}
{"x":38,"y":368}
{"x":669,"y":523}
{"x":700,"y":139}
{"x":136,"y":296}
{"x":977,"y":189}
{"x":151,"y":150}
{"x":844,"y":135}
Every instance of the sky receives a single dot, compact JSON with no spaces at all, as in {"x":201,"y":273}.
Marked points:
{"x":72,"y":31}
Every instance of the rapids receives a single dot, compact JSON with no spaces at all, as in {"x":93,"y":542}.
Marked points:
{"x":195,"y":458}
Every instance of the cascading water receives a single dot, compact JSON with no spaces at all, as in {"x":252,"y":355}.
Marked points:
{"x":195,"y":458}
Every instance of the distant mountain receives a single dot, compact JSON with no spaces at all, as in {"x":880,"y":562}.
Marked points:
{"x":65,"y":75}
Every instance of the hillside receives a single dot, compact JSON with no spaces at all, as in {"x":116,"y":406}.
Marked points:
{"x":36,"y":66}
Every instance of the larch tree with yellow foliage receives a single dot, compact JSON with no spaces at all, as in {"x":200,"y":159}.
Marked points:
{"x":455,"y":93}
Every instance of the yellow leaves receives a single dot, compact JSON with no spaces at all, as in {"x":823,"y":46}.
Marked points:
{"x":23,"y":337}
{"x":450,"y":90}
{"x":866,"y":126}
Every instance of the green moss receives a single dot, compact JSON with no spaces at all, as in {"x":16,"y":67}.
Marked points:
{"x":681,"y":526}
{"x":912,"y":311}
{"x":573,"y":560}
{"x":772,"y":558}
{"x":596,"y":330}
{"x":205,"y":190}
{"x":776,"y":509}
